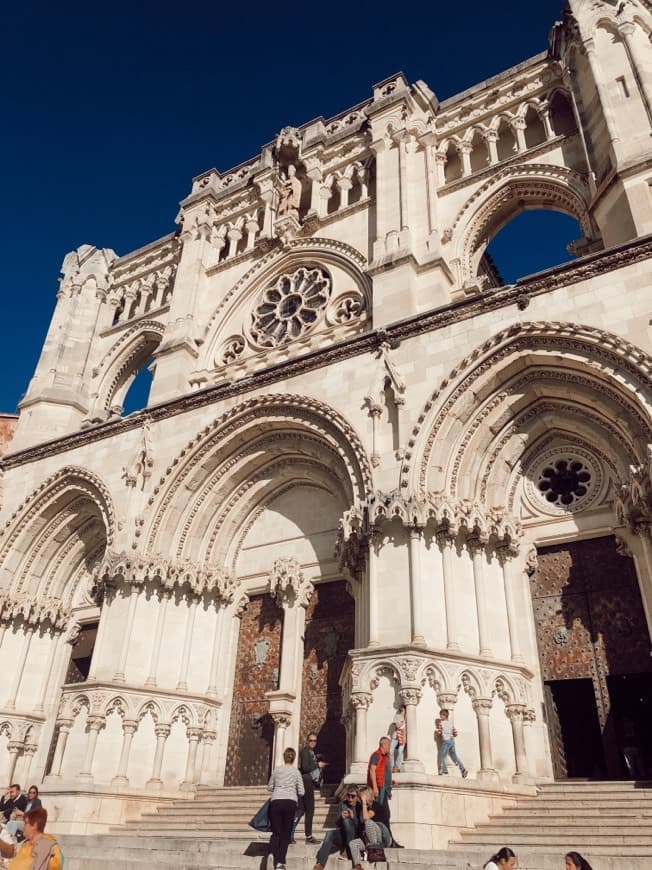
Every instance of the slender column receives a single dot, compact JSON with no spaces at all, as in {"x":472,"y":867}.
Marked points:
{"x":482,"y":708}
{"x":191,"y":762}
{"x":3,"y":631}
{"x":95,"y":725}
{"x":211,"y":691}
{"x":203,"y":768}
{"x":374,"y":542}
{"x":627,"y":30}
{"x":383,"y":199}
{"x":519,"y":128}
{"x":361,"y":701}
{"x":416,"y":604}
{"x":281,"y":724}
{"x":477,"y":548}
{"x":465,"y":151}
{"x":641,"y":546}
{"x":182,"y":684}
{"x":431,"y":182}
{"x":129,"y":728}
{"x":150,"y":682}
{"x":515,"y":714}
{"x":509,"y":566}
{"x":403,"y":175}
{"x":325,"y":194}
{"x":13,"y":748}
{"x":64,"y":726}
{"x":547,"y":123}
{"x":119,"y":676}
{"x":28,"y":632}
{"x":446,"y":541}
{"x":47,"y":673}
{"x":440,"y":165}
{"x":109,"y":594}
{"x":162,"y":733}
{"x":29,"y":751}
{"x":252,"y":229}
{"x":315,"y":176}
{"x":411,"y":698}
{"x":345,"y":186}
{"x":492,"y":138}
{"x":234,"y":235}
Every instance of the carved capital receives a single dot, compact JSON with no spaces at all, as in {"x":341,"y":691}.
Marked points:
{"x":361,"y":700}
{"x":194,"y":734}
{"x":282,"y":720}
{"x":96,"y":723}
{"x":288,"y":585}
{"x":446,"y":700}
{"x":129,"y":726}
{"x":410,"y":696}
{"x":482,"y":706}
{"x":409,"y":667}
{"x":515,"y":712}
{"x":162,"y":730}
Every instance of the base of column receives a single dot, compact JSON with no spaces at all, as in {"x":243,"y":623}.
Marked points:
{"x":522,"y":779}
{"x":118,"y":781}
{"x":118,"y":678}
{"x":452,"y":645}
{"x":187,"y":786}
{"x":182,"y":687}
{"x":518,"y":660}
{"x":373,"y":643}
{"x":487,"y":775}
{"x":150,"y":683}
{"x":486,"y":653}
{"x":154,"y":784}
{"x":419,"y":641}
{"x":85,"y":777}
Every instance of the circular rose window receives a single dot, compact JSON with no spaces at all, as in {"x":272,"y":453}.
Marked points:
{"x":291,"y":307}
{"x":563,"y":479}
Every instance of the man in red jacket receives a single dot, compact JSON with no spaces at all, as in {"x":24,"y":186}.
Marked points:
{"x":379,"y":780}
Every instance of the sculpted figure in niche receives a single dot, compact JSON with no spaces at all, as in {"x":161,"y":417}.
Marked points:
{"x":289,"y":193}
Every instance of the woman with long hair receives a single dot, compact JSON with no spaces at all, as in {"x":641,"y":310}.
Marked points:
{"x":504,"y":859}
{"x":286,"y":786}
{"x":574,"y":861}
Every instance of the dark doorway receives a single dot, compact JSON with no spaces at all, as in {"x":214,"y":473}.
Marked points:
{"x":577,"y":713}
{"x":631,"y":710}
{"x":79,"y":665}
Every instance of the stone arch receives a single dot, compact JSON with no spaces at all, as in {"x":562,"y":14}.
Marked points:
{"x":53,"y":536}
{"x":511,"y":191}
{"x":243,"y":458}
{"x":435,"y":677}
{"x":470,"y":682}
{"x":525,"y":381}
{"x":121,"y":365}
{"x":505,"y":688}
{"x":120,"y":705}
{"x":151,"y":708}
{"x":325,"y":252}
{"x":186,"y":713}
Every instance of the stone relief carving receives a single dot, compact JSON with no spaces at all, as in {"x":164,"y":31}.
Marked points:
{"x":291,"y":307}
{"x":288,"y":585}
{"x":139,"y":470}
{"x":289,"y":193}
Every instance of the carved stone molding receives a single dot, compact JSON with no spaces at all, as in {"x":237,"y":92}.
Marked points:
{"x":34,"y":610}
{"x":288,"y":585}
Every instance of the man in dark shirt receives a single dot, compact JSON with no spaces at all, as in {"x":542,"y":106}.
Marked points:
{"x":309,"y":768}
{"x":13,"y":800}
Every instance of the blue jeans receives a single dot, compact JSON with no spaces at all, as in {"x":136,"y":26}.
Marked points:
{"x":337,"y":839}
{"x":448,"y":748}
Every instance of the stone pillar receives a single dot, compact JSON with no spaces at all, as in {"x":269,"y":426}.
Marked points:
{"x":109,"y":592}
{"x":518,"y":125}
{"x":282,"y":722}
{"x":547,"y":123}
{"x":411,"y":697}
{"x":641,"y":547}
{"x":64,"y":726}
{"x":492,"y":138}
{"x":182,"y":684}
{"x":325,"y":194}
{"x":162,"y":733}
{"x":476,"y":547}
{"x":188,"y":783}
{"x":510,"y":567}
{"x":440,"y":166}
{"x":29,"y":751}
{"x":150,"y":682}
{"x":202,"y":773}
{"x":465,"y":151}
{"x":482,"y":708}
{"x":95,"y":725}
{"x":345,"y":186}
{"x":446,"y":541}
{"x":46,"y":678}
{"x":315,"y":176}
{"x":211,"y":691}
{"x":19,"y":665}
{"x":515,"y":714}
{"x":13,"y":748}
{"x":360,"y":701}
{"x":119,"y":676}
{"x":129,"y":728}
{"x":234,"y":235}
{"x":374,"y":543}
{"x":416,"y":603}
{"x":252,"y":229}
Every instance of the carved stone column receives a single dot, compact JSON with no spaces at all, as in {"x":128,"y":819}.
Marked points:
{"x":515,"y":713}
{"x":518,"y":126}
{"x":165,"y":595}
{"x":211,"y":691}
{"x":476,"y":547}
{"x":360,"y":701}
{"x":64,"y":726}
{"x":13,"y":748}
{"x":282,"y":722}
{"x":129,"y":728}
{"x":29,"y":751}
{"x":182,"y":683}
{"x":411,"y":697}
{"x":188,"y":783}
{"x":109,"y":595}
{"x":95,"y":725}
{"x":482,"y":708}
{"x":46,"y":679}
{"x":162,"y":733}
{"x":119,"y":676}
{"x":465,"y":151}
{"x":19,"y":665}
{"x":252,"y":230}
{"x":510,"y":568}
{"x":446,"y":541}
{"x":492,"y":138}
{"x":416,"y":604}
{"x":234,"y":235}
{"x":374,"y":544}
{"x":202,"y":774}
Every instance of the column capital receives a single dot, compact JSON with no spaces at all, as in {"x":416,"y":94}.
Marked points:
{"x":515,"y":711}
{"x":194,"y":733}
{"x":482,"y":706}
{"x":282,"y":720}
{"x":129,"y":726}
{"x":162,"y":730}
{"x":410,"y":696}
{"x":96,"y":723}
{"x":14,"y":746}
{"x":361,"y":700}
{"x":64,"y":724}
{"x":446,"y":699}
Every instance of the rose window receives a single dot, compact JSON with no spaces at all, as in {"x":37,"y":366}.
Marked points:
{"x":564,"y":481}
{"x":291,"y":307}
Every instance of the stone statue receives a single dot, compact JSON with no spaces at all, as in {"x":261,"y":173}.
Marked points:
{"x":289,"y":193}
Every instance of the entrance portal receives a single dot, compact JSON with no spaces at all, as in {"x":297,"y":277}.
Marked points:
{"x":594,"y":650}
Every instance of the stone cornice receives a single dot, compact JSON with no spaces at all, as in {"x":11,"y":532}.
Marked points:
{"x":591,"y":266}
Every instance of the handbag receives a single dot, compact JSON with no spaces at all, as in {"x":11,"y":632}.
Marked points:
{"x":260,"y":822}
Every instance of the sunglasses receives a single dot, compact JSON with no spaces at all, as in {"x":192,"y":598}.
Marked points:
{"x":351,"y":794}
{"x":312,"y":740}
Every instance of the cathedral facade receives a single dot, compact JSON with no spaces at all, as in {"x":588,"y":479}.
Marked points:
{"x":368,"y":473}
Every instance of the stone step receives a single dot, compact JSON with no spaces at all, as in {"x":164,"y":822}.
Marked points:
{"x":560,"y":837}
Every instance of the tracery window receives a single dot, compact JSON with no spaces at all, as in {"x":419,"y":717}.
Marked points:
{"x":289,"y":308}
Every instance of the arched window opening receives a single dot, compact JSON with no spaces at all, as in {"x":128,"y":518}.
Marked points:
{"x":479,"y":152}
{"x":561,"y":115}
{"x":506,"y":142}
{"x":453,"y":167}
{"x":138,"y":390}
{"x":535,"y":132}
{"x":534,"y":240}
{"x":335,"y":198}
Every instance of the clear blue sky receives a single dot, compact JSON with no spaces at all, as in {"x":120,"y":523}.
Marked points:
{"x":110,"y":110}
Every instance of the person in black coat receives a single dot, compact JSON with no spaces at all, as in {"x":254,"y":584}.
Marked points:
{"x":310,"y":768}
{"x":11,"y":801}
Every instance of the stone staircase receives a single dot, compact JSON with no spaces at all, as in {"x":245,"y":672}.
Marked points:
{"x":609,"y":823}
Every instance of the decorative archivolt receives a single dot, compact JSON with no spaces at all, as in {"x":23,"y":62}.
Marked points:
{"x":616,"y":372}
{"x":34,"y":611}
{"x":418,"y":670}
{"x":137,"y":571}
{"x":215,"y":451}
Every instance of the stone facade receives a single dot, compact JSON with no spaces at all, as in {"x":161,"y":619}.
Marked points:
{"x":355,"y":442}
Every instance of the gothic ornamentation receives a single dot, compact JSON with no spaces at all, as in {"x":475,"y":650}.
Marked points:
{"x":291,"y":307}
{"x":288,"y":585}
